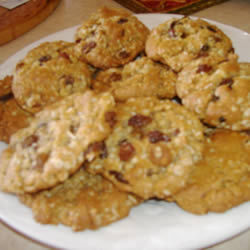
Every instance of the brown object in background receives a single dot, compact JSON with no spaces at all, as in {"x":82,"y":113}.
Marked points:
{"x":17,"y":21}
{"x":184,"y":7}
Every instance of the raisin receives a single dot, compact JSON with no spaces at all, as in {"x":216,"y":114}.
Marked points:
{"x":78,"y":40}
{"x":222,"y":119}
{"x":126,"y":151}
{"x":73,"y":128}
{"x":118,"y":176}
{"x":98,"y":147}
{"x":122,"y":20}
{"x":156,"y":136}
{"x":139,"y":121}
{"x":40,"y":161}
{"x":65,"y":56}
{"x":110,"y":118}
{"x":204,"y":68}
{"x":215,"y":98}
{"x":44,"y":59}
{"x":68,"y":80}
{"x":211,"y":29}
{"x":124,"y":54}
{"x":227,"y":81}
{"x":171,"y":30}
{"x":115,"y":77}
{"x":88,"y":47}
{"x":28,"y":141}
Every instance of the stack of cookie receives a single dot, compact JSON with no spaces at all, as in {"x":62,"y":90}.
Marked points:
{"x":122,"y":115}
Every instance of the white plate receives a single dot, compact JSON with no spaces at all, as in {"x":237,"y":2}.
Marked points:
{"x":150,"y":226}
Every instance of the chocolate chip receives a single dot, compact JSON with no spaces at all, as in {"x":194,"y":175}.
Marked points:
{"x":88,"y":47}
{"x":156,"y":136}
{"x":28,"y":141}
{"x":126,"y":151}
{"x":78,"y":40}
{"x":122,"y":20}
{"x":139,"y":121}
{"x":204,"y":68}
{"x":118,"y":176}
{"x":73,"y":128}
{"x":110,"y":118}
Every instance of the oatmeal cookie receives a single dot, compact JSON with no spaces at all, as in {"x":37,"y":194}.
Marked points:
{"x":48,"y":73}
{"x":110,"y":38}
{"x":52,"y":147}
{"x":142,"y":77}
{"x":12,"y":118}
{"x":178,"y":41}
{"x":152,"y":148}
{"x":84,"y":201}
{"x":217,"y":93}
{"x":222,"y":179}
{"x":5,"y":87}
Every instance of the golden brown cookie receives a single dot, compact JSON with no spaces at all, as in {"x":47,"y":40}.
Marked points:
{"x":84,"y":201}
{"x":52,"y":147}
{"x":152,"y":148}
{"x":47,"y":74}
{"x":142,"y":77}
{"x":179,"y":41}
{"x":110,"y":38}
{"x":12,"y":118}
{"x":222,"y":179}
{"x":217,"y":93}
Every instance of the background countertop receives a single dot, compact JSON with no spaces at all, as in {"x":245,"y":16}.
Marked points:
{"x":70,"y":13}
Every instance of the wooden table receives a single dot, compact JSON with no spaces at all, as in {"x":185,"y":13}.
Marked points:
{"x":74,"y":12}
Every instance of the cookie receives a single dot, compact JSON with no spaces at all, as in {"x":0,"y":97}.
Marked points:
{"x":12,"y":118}
{"x":217,"y":93}
{"x":222,"y":179}
{"x":47,"y":74}
{"x":142,"y":77}
{"x":5,"y":87}
{"x":178,"y":41}
{"x":52,"y":147}
{"x":110,"y":38}
{"x":84,"y":201}
{"x":152,"y":148}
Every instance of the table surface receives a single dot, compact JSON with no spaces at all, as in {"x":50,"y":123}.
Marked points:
{"x":70,"y":13}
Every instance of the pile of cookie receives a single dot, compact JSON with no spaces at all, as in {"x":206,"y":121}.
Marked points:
{"x":122,"y":115}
